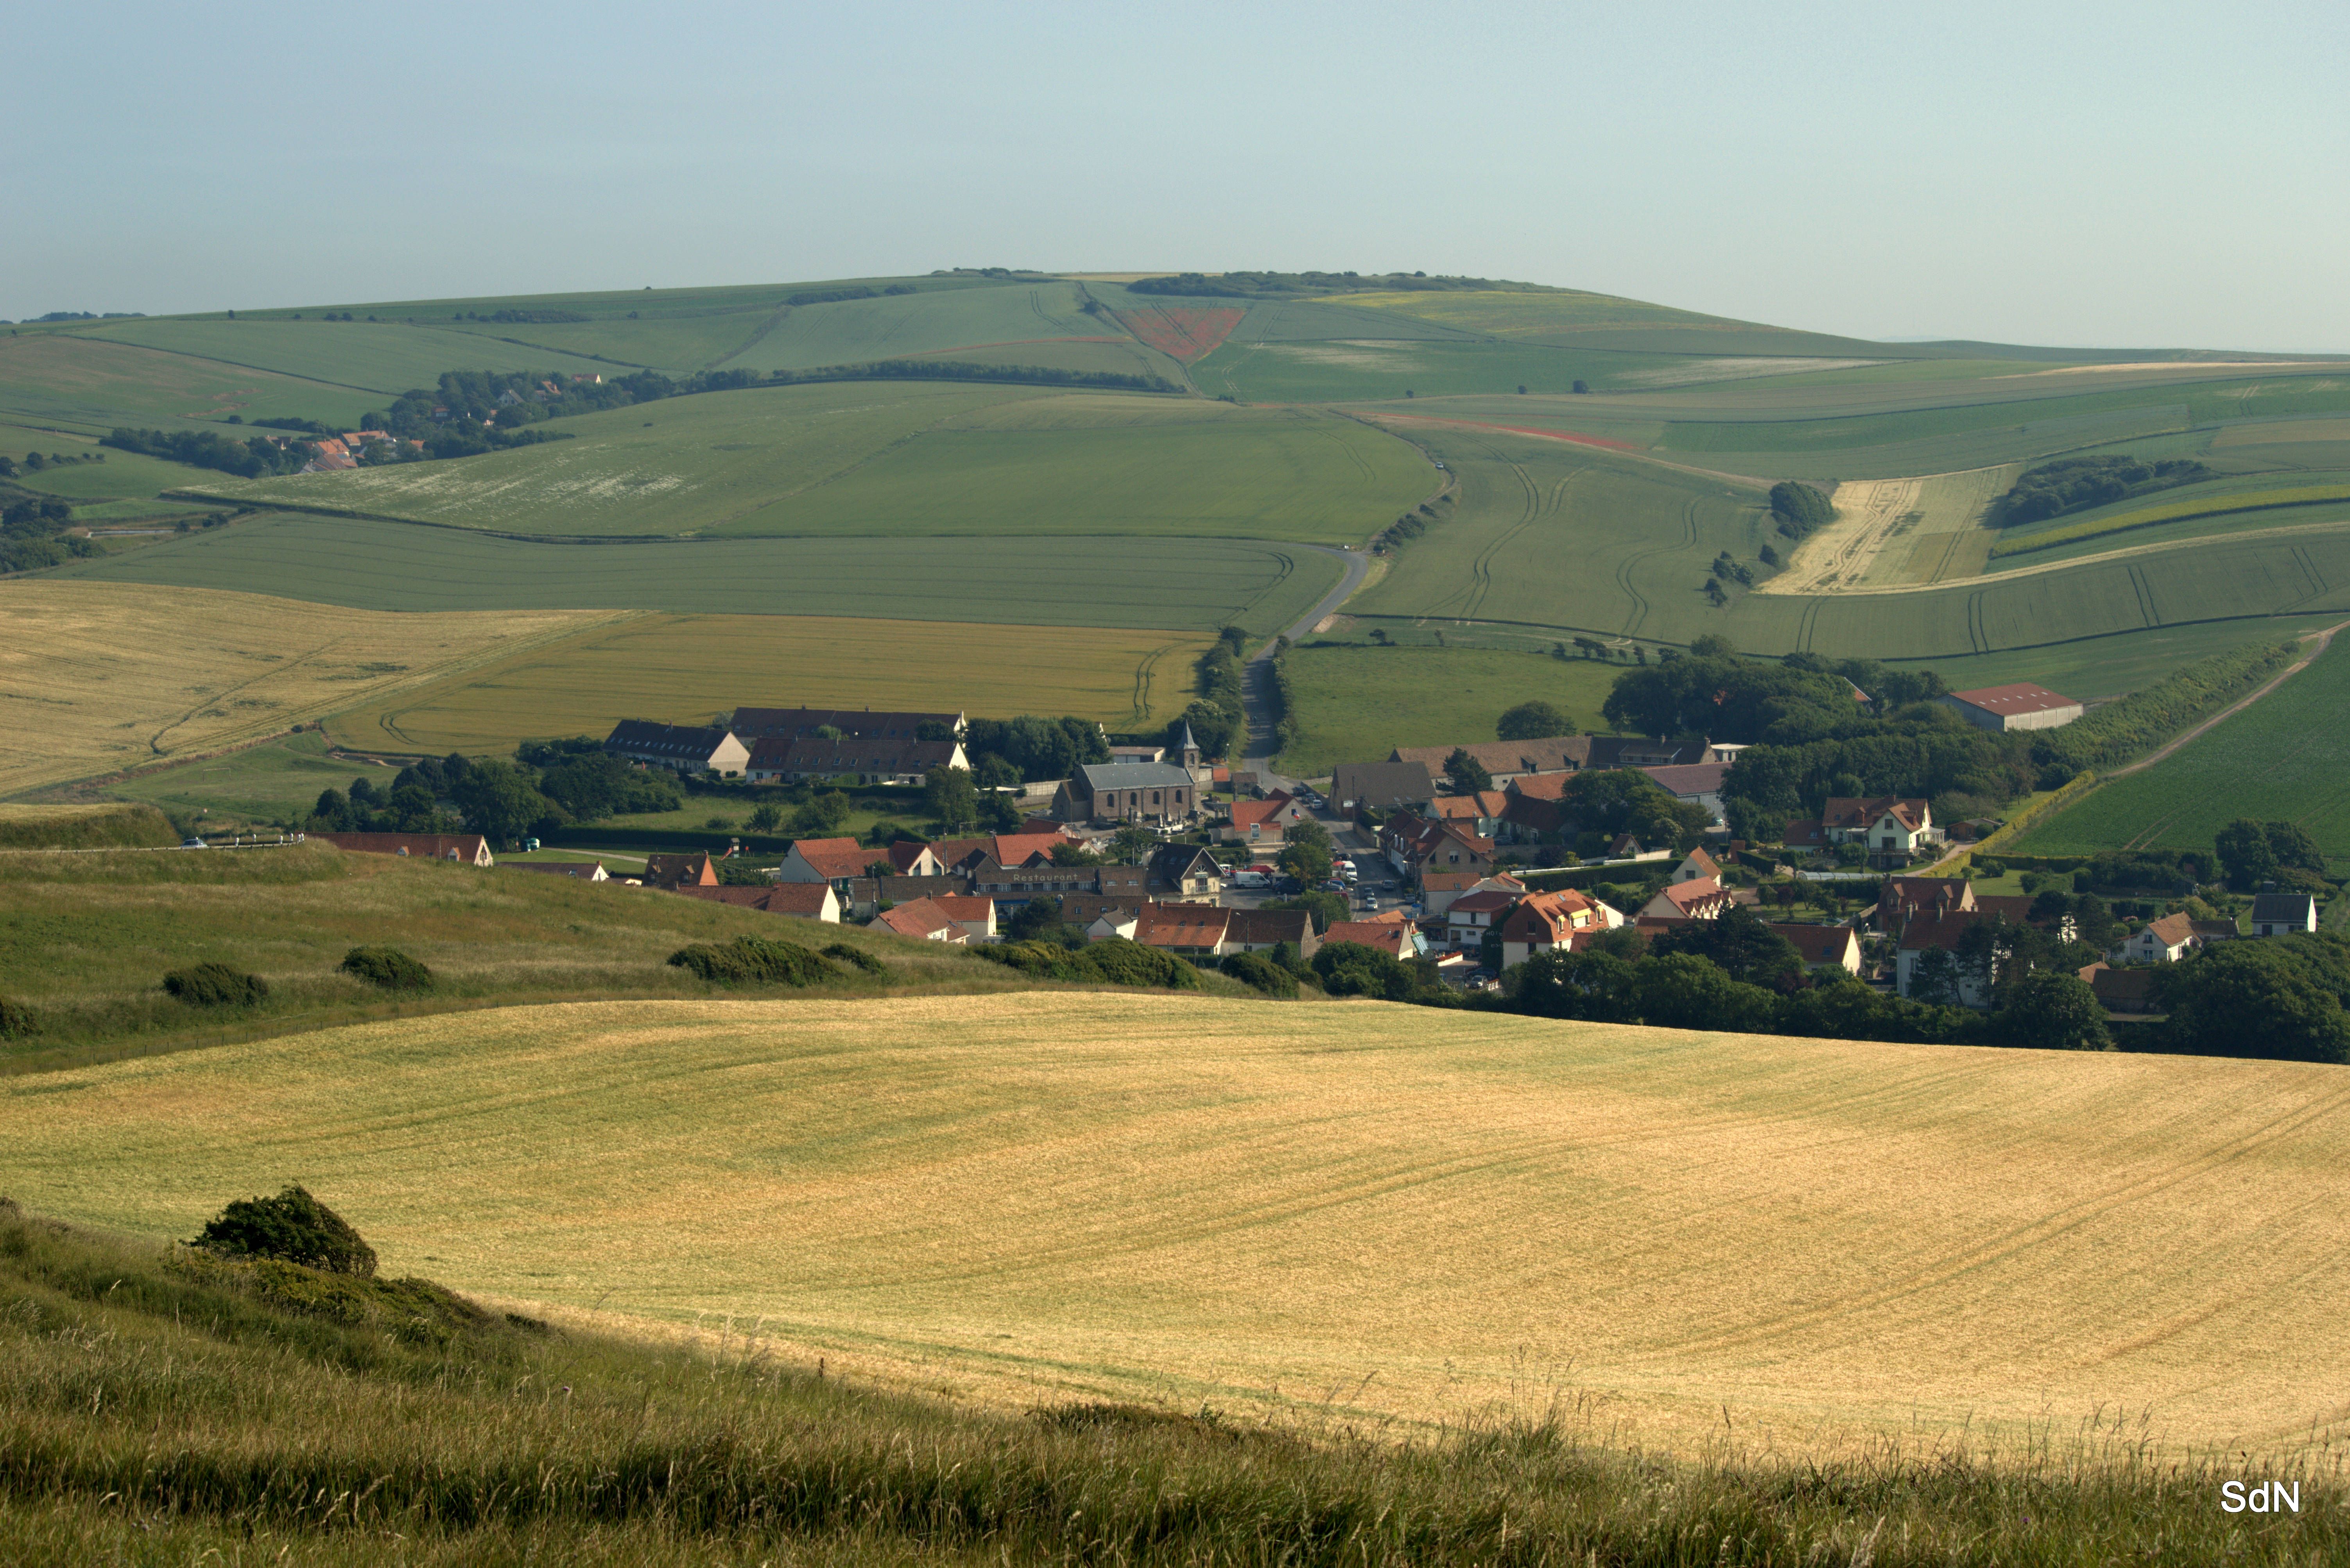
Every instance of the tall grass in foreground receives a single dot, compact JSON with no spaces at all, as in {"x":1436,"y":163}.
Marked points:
{"x":159,"y":1406}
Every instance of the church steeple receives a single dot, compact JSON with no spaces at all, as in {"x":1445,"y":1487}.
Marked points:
{"x":1191,"y":748}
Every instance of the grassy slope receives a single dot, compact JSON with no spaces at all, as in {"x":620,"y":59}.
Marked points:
{"x":855,"y":330}
{"x":907,"y":459}
{"x":1356,"y":702}
{"x":99,"y":676}
{"x":1188,"y":583}
{"x":168,"y":1407}
{"x":2284,"y":758}
{"x":89,"y":938}
{"x":382,"y":358}
{"x":94,"y":386}
{"x":1213,"y":1198}
{"x":86,"y":826}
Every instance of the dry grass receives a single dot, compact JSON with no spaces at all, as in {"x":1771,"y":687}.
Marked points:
{"x":101,"y":676}
{"x":1888,"y":532}
{"x":687,"y":668}
{"x":1389,"y":1210}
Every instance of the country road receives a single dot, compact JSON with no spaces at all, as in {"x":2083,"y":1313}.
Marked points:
{"x":1256,"y":685}
{"x":2318,"y":644}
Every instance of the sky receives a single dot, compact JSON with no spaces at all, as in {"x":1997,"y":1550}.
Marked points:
{"x":2085,"y":175}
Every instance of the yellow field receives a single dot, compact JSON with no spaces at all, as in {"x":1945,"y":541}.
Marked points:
{"x":1898,"y":532}
{"x":1258,"y":1204}
{"x":100,"y":676}
{"x":687,"y":669}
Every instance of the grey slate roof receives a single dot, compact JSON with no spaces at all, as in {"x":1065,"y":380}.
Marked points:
{"x":1383,"y":784}
{"x":638,"y":736}
{"x":2281,"y":908}
{"x":1134,"y":776}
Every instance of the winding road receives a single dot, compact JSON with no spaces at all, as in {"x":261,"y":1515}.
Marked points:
{"x":1256,"y":689}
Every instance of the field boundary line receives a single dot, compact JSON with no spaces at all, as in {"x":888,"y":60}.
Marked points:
{"x":2321,"y":640}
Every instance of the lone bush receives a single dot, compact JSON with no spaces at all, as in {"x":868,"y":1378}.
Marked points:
{"x":16,"y":1019}
{"x":1256,"y":970}
{"x":858,"y":956}
{"x":216,"y":985}
{"x":293,"y":1227}
{"x":751,"y":959}
{"x":1114,"y":960}
{"x":389,"y":968}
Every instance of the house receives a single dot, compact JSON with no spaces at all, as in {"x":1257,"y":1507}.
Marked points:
{"x":2164,"y":941}
{"x":912,"y":857}
{"x":2121,"y":990}
{"x":2015,"y":908}
{"x":1128,"y":792}
{"x":2206,"y":931}
{"x":870,"y":760}
{"x":580,"y":870}
{"x":1703,"y":899}
{"x":1114,"y":921}
{"x":2276,"y":914}
{"x":1696,"y":867}
{"x":685,"y":748}
{"x":1886,"y":825}
{"x":1900,"y":899}
{"x":1186,"y":869}
{"x":924,"y":921}
{"x":1699,"y":784}
{"x":1626,"y":848}
{"x":1382,"y":786}
{"x":1482,"y":813}
{"x":1188,"y":930}
{"x":1438,"y":888}
{"x":1018,"y":884}
{"x":1542,"y":922}
{"x":856,"y":723}
{"x":1823,"y":946}
{"x":1130,"y":883}
{"x":1255,"y":930}
{"x":801,"y":900}
{"x":839,"y":861}
{"x":464,"y":848}
{"x":865,"y":891}
{"x":975,"y":913}
{"x":1804,"y":834}
{"x":1397,"y":938}
{"x":1024,"y":848}
{"x":2021,"y":706}
{"x":1263,"y":823}
{"x":1468,"y":916}
{"x":1417,"y":845}
{"x":693,"y":870}
{"x":1925,"y":935}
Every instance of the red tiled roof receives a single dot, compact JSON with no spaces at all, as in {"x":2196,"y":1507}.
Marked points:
{"x":1818,"y":944}
{"x":1020,"y":848}
{"x":965,"y":905}
{"x":1855,"y":811}
{"x":804,"y":899}
{"x":2023,"y":697}
{"x":835,"y":858}
{"x":1484,"y":803}
{"x":1181,"y":925}
{"x":923,"y":917}
{"x":1387,"y":937}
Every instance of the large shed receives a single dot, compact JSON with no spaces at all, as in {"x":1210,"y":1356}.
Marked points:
{"x":2022,"y":706}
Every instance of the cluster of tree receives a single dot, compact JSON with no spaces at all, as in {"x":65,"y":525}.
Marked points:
{"x":1735,"y":974}
{"x":512,"y":318}
{"x":1533,"y":720}
{"x":1012,"y":751}
{"x":833,"y":296}
{"x":83,"y":315}
{"x":2077,"y":483}
{"x":959,"y":804}
{"x":2284,"y":997}
{"x":32,"y":532}
{"x":1799,"y":508}
{"x":1281,"y":285}
{"x":1712,"y":692}
{"x":253,"y":459}
{"x":36,"y":462}
{"x":1408,"y":527}
{"x":1614,"y":801}
{"x":555,"y":782}
{"x":2280,"y":851}
{"x":1219,"y":717}
{"x":1288,"y":728}
{"x":1114,"y":960}
{"x":1726,"y":566}
{"x":588,"y":782}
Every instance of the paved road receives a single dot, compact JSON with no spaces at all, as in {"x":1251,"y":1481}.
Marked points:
{"x":1256,"y":687}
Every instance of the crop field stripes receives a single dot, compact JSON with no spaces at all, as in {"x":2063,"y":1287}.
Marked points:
{"x":2144,"y":596}
{"x":1807,"y":623}
{"x":239,"y":364}
{"x":1976,"y":635}
{"x":1481,"y":570}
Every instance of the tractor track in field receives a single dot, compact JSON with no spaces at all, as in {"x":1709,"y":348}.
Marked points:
{"x":1640,"y":605}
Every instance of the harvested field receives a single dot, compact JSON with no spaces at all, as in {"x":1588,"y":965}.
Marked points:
{"x":101,"y":676}
{"x":1888,"y":532}
{"x":687,"y":668}
{"x":1351,"y":1207}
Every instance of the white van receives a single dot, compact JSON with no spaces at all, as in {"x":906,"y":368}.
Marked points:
{"x":1249,"y":879}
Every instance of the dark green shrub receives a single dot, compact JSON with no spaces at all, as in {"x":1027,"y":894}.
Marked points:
{"x":293,"y":1227}
{"x":389,"y":968}
{"x":1256,"y":970}
{"x":1123,"y":962}
{"x":216,"y":985}
{"x":16,"y":1019}
{"x":858,"y":956}
{"x":1044,"y":960}
{"x":754,"y":958}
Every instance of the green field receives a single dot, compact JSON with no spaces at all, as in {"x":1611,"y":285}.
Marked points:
{"x":1185,"y":584}
{"x":854,"y":459}
{"x":83,"y":384}
{"x":278,"y":781}
{"x":2265,"y":500}
{"x":386,"y":357}
{"x":1356,"y":701}
{"x":2285,"y":758}
{"x":851,"y":331}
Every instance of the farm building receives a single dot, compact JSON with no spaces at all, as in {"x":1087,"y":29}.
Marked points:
{"x":1383,"y":786}
{"x":689,"y":748}
{"x":2022,"y":706}
{"x":779,"y":758}
{"x":2276,"y":914}
{"x":854,"y":723}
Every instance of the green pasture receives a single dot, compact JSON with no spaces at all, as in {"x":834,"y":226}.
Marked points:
{"x":615,"y":305}
{"x":278,"y":781}
{"x":1356,"y":702}
{"x":120,"y":476}
{"x":2108,"y":666}
{"x":901,"y":458}
{"x":83,"y":383}
{"x":676,"y":345}
{"x":2285,"y":758}
{"x":2214,"y":524}
{"x":851,"y":331}
{"x":1179,"y":584}
{"x":388,"y":357}
{"x":1288,"y":320}
{"x":1354,"y":369}
{"x":2284,"y":500}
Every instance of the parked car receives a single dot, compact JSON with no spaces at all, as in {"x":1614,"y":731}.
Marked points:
{"x":193,"y":844}
{"x":1248,"y":879}
{"x":1289,"y":886}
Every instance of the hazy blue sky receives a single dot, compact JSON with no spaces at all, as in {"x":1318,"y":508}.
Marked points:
{"x":2049,"y":173}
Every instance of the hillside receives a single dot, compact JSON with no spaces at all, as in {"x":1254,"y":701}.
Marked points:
{"x":1262,"y":1207}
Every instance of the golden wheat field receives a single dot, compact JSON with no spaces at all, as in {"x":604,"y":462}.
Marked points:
{"x":1375,"y":1209}
{"x":688,"y":668}
{"x":100,"y":676}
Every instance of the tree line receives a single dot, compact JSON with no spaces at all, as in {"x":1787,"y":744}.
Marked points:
{"x":2078,"y":483}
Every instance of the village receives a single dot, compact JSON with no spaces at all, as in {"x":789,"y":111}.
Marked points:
{"x":1464,"y":862}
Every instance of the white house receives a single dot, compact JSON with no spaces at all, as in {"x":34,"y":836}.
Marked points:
{"x":2276,"y":914}
{"x":2166,"y":940}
